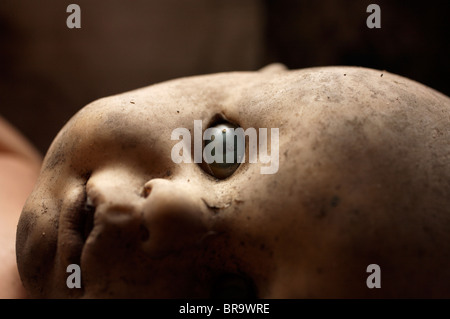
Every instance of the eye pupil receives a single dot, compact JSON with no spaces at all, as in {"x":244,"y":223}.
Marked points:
{"x":225,"y":155}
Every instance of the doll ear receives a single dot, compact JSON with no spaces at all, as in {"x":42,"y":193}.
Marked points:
{"x":273,"y":68}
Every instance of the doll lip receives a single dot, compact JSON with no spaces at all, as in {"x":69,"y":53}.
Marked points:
{"x":76,"y":222}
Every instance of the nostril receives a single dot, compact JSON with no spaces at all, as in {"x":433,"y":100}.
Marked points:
{"x":146,"y":191}
{"x":144,"y":234}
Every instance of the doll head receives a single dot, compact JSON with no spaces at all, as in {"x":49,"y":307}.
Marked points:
{"x":362,"y":177}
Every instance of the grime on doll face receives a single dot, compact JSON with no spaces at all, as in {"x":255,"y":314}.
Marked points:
{"x":349,"y":191}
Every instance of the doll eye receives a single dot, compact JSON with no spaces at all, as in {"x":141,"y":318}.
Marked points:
{"x":224,"y":150}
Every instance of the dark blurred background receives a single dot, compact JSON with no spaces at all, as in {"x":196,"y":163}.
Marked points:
{"x":48,"y":72}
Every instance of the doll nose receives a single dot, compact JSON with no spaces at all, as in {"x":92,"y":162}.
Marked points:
{"x":174,"y":217}
{"x":170,"y":218}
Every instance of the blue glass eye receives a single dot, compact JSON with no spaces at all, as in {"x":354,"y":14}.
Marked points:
{"x":224,"y":152}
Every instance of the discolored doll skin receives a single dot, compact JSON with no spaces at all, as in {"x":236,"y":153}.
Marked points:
{"x":363,"y":178}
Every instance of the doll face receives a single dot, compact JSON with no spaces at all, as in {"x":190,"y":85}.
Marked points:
{"x":111,"y":199}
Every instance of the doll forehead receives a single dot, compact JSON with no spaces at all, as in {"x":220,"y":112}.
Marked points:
{"x":149,"y":115}
{"x":248,"y":99}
